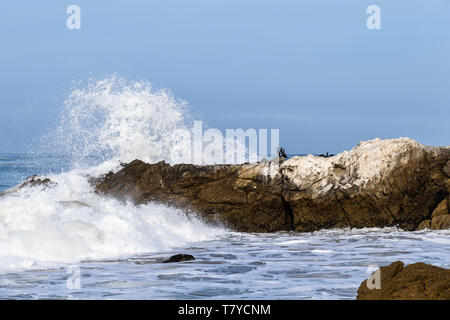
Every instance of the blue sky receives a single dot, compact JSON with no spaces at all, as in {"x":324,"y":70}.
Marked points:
{"x":310,"y":68}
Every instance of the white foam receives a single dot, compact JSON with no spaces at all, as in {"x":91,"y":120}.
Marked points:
{"x":42,"y":228}
{"x":105,"y":123}
{"x":321,"y":251}
{"x":290,"y":242}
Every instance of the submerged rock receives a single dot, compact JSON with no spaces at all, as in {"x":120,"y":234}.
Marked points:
{"x":74,"y":204}
{"x":418,"y":281}
{"x":378,"y":183}
{"x":33,"y":181}
{"x":179,"y":258}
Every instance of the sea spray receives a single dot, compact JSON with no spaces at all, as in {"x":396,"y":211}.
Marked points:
{"x":117,"y":120}
{"x":102,"y":124}
{"x":46,"y":227}
{"x":112,"y":120}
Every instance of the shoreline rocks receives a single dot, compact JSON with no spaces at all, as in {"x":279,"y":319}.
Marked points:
{"x":418,"y":281}
{"x":379,"y":183}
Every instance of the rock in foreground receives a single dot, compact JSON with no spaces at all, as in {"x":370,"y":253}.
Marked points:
{"x":378,"y":183}
{"x":418,"y":281}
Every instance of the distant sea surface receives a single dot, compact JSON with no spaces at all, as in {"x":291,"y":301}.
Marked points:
{"x":15,"y":168}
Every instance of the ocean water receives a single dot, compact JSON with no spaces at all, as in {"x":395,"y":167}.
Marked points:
{"x":116,"y":250}
{"x":67,"y":242}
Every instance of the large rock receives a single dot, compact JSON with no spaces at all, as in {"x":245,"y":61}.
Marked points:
{"x":418,"y":281}
{"x":378,"y":183}
{"x":238,"y":196}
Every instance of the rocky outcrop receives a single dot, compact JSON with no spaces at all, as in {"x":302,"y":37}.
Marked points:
{"x":237,"y":196}
{"x":378,"y":183}
{"x":418,"y":281}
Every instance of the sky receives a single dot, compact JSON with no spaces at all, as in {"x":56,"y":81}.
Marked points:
{"x":310,"y":68}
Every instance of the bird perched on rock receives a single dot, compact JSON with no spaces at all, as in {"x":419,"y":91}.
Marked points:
{"x":282,"y":154}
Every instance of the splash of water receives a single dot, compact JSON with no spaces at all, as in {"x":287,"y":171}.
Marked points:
{"x":102,"y":124}
{"x":112,"y":119}
{"x":44,"y":228}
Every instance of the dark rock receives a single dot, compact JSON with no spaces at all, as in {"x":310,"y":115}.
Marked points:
{"x":220,"y":193}
{"x":179,"y":258}
{"x":35,"y":181}
{"x":418,"y":281}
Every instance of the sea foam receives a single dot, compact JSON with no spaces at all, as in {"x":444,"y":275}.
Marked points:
{"x":102,"y":124}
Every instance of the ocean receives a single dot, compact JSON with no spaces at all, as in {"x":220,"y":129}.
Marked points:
{"x":67,"y":242}
{"x":115,"y":250}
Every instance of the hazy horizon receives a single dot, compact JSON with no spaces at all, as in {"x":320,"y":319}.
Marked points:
{"x":311,"y":69}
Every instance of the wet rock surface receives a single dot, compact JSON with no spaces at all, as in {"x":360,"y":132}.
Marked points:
{"x":233,"y":195}
{"x":378,"y":183}
{"x":418,"y":281}
{"x":179,"y":258}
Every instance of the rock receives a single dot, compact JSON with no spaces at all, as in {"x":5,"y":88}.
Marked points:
{"x":33,"y":181}
{"x":441,"y":209}
{"x":179,"y":258}
{"x":378,"y":183}
{"x":440,"y":218}
{"x":440,"y":222}
{"x":418,"y":281}
{"x":233,"y":195}
{"x":425,"y":224}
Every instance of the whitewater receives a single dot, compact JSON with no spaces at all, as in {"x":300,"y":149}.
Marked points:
{"x":102,"y":125}
{"x":118,"y":247}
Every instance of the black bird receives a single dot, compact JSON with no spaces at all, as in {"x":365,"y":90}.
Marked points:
{"x":282,"y":153}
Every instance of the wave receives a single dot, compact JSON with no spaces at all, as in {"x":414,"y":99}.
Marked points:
{"x":113,"y":119}
{"x":107,"y":122}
